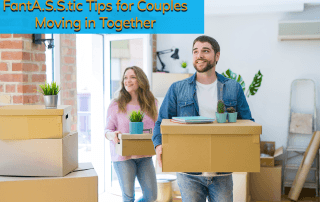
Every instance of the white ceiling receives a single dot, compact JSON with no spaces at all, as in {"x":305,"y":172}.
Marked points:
{"x":230,"y":7}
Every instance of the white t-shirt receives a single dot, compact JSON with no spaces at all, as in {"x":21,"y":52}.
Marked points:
{"x":207,"y":101}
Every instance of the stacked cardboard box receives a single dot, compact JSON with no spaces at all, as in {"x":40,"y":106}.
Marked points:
{"x":35,"y":142}
{"x":81,"y":185}
{"x":266,"y":185}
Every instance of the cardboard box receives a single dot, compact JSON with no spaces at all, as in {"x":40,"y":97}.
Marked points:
{"x":241,"y":188}
{"x":269,"y":161}
{"x":266,"y":185}
{"x":214,"y":147}
{"x":78,"y":186}
{"x":39,"y":157}
{"x":22,"y":122}
{"x":135,"y":144}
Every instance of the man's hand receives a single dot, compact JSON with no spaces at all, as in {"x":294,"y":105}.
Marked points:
{"x":159,"y":154}
{"x":116,"y":139}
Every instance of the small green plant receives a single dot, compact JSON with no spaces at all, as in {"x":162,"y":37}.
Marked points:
{"x":221,"y":107}
{"x":231,"y":110}
{"x":136,"y":116}
{"x":50,"y":89}
{"x":184,"y":64}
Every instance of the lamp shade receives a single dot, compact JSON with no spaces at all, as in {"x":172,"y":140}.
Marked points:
{"x":175,"y":54}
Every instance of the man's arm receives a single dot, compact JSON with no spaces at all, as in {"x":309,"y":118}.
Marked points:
{"x":168,"y":110}
{"x":242,"y":105}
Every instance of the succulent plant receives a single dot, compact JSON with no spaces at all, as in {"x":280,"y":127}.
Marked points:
{"x":220,"y":107}
{"x":231,"y":110}
{"x":136,"y":116}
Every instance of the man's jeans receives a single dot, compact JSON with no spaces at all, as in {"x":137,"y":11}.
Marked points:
{"x":196,"y":188}
{"x":144,"y":170}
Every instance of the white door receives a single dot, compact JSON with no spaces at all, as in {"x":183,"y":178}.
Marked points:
{"x":111,"y":54}
{"x":96,"y":79}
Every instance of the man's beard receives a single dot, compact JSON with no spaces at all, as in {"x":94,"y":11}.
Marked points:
{"x":207,"y":68}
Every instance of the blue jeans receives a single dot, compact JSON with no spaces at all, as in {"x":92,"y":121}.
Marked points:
{"x":196,"y":188}
{"x":144,"y":170}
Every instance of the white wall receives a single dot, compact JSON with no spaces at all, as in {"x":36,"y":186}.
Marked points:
{"x":249,"y":43}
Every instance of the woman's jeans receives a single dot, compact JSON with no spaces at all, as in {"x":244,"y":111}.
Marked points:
{"x":144,"y":170}
{"x":196,"y":188}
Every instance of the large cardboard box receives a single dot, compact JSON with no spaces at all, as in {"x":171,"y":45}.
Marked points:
{"x":266,"y":185}
{"x":21,"y":122}
{"x":39,"y":157}
{"x":214,"y":147}
{"x":78,"y":186}
{"x":135,"y":144}
{"x":269,"y":161}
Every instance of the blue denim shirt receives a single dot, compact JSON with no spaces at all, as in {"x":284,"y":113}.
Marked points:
{"x":181,"y":100}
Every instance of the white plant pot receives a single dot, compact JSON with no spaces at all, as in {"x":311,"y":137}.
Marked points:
{"x":184,"y":70}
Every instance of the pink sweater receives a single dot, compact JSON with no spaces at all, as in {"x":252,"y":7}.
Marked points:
{"x":120,"y":122}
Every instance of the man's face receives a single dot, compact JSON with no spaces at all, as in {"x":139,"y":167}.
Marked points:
{"x":204,"y":57}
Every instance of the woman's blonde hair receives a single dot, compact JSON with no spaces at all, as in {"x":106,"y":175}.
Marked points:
{"x":145,"y":96}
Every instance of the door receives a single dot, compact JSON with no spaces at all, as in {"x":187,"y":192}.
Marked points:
{"x":120,"y":52}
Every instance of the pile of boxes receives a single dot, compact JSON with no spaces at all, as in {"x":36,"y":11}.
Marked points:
{"x":266,"y":185}
{"x":39,"y":157}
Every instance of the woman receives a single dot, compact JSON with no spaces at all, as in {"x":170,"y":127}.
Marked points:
{"x":134,"y":94}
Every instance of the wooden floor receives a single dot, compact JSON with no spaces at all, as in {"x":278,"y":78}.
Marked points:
{"x":114,"y":198}
{"x":307,"y":195}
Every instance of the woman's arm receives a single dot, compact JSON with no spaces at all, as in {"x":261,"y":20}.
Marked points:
{"x":111,"y":125}
{"x":113,"y":136}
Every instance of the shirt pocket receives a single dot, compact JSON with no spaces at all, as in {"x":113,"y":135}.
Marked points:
{"x":231,"y":103}
{"x":186,"y":108}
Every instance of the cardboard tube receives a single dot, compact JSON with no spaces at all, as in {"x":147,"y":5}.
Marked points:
{"x":305,"y":166}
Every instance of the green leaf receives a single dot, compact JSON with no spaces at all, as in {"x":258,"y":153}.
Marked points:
{"x":231,"y":75}
{"x":48,"y":89}
{"x":255,"y":85}
{"x":136,"y":116}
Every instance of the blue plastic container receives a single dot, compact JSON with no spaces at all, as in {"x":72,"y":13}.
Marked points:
{"x":136,"y":127}
{"x":232,"y":117}
{"x":221,"y":117}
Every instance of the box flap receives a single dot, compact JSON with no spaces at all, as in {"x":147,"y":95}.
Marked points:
{"x":240,"y":127}
{"x":33,"y":110}
{"x":84,"y":166}
{"x":83,"y":170}
{"x":278,"y":152}
{"x":127,"y":136}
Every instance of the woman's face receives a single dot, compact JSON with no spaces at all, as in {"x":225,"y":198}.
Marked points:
{"x":130,"y":81}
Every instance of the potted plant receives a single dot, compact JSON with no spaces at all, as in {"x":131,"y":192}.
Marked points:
{"x":221,"y":114}
{"x":50,"y":92}
{"x":232,"y":115}
{"x":136,"y":124}
{"x":184,"y":65}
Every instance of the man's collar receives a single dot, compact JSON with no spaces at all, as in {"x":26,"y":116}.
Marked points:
{"x":220,"y":78}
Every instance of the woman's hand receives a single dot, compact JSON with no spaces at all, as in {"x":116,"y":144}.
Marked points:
{"x":116,"y":139}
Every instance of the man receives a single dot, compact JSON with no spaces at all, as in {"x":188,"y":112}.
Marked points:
{"x":198,"y":95}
